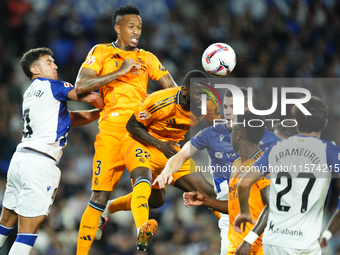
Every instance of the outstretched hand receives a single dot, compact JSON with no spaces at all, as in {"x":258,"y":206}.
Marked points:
{"x":164,"y":177}
{"x":240,"y":219}
{"x":323,"y":242}
{"x":194,"y":198}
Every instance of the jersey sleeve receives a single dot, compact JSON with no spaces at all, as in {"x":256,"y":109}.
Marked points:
{"x":156,"y":69}
{"x":60,"y":90}
{"x":213,"y":111}
{"x":94,"y":59}
{"x":200,"y":140}
{"x":333,"y":157}
{"x":262,"y":183}
{"x":145,"y":113}
{"x":262,"y":163}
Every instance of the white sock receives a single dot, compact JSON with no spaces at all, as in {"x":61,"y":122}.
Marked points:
{"x":4,"y":232}
{"x":106,"y":212}
{"x":23,"y":244}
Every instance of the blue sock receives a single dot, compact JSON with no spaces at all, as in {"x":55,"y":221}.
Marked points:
{"x":23,"y":244}
{"x":4,"y":232}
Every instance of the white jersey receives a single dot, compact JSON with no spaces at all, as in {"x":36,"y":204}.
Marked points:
{"x":301,"y":169}
{"x":46,"y":117}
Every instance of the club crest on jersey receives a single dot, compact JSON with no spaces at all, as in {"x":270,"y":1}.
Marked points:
{"x":218,"y":154}
{"x":143,"y":115}
{"x":68,"y":85}
{"x":90,"y":61}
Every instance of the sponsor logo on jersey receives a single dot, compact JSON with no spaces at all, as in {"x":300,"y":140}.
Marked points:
{"x":172,"y":124}
{"x":218,"y":154}
{"x":284,"y":231}
{"x":89,"y":62}
{"x":68,"y":85}
{"x":144,"y":115}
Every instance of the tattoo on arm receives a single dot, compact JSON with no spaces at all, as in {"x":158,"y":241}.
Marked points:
{"x":167,"y":81}
{"x":88,"y":80}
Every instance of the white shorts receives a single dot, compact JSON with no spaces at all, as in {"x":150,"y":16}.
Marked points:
{"x":32,"y":183}
{"x":223,"y":224}
{"x":279,"y":250}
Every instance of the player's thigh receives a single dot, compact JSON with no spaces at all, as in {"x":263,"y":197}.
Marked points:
{"x":136,"y":154}
{"x":36,"y":178}
{"x":108,"y":165}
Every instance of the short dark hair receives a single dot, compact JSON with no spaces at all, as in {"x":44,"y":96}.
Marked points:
{"x":194,"y":74}
{"x":289,"y":129}
{"x":244,"y":91}
{"x":30,"y":57}
{"x":124,"y":10}
{"x":254,"y":132}
{"x":311,"y":123}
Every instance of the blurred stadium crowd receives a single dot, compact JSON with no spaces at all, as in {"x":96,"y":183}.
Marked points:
{"x":271,"y":38}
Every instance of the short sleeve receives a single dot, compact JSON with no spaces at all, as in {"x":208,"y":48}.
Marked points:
{"x":263,"y":182}
{"x":94,"y":59}
{"x":156,"y":69}
{"x":143,"y":112}
{"x":60,"y":89}
{"x":200,"y":140}
{"x":262,"y":162}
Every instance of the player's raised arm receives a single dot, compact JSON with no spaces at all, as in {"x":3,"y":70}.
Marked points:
{"x":167,"y":81}
{"x":260,"y":225}
{"x":80,"y":118}
{"x":88,"y":80}
{"x":243,"y":190}
{"x":92,"y":98}
{"x":139,"y":131}
{"x":174,"y":164}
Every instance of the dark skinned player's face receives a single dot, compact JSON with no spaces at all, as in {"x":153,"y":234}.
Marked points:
{"x":129,"y":29}
{"x":194,"y":99}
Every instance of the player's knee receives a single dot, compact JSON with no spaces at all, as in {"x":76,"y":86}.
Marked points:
{"x":157,"y":198}
{"x":100,"y":197}
{"x":141,"y":172}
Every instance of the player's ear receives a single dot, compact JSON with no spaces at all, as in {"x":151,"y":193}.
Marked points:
{"x":326,"y":122}
{"x":34,"y":70}
{"x":184,"y":91}
{"x":117,"y":29}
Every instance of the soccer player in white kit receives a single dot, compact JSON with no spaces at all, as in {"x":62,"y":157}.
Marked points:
{"x":301,"y":168}
{"x":33,"y":176}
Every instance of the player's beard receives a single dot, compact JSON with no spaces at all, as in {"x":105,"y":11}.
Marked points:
{"x":132,"y":47}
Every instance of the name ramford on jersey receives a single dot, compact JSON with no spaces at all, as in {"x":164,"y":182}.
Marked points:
{"x":37,"y":93}
{"x":298,"y":152}
{"x":284,"y":231}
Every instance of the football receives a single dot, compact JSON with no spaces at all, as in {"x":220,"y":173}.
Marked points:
{"x":219,"y":59}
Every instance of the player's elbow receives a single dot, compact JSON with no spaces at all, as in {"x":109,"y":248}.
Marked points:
{"x":79,"y":89}
{"x":243,"y":184}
